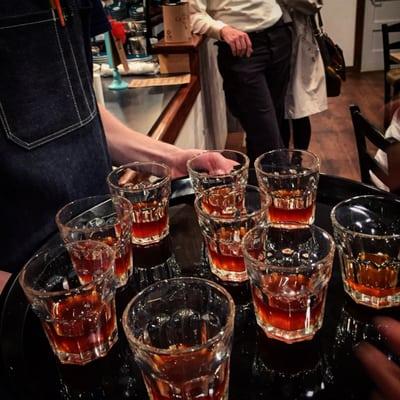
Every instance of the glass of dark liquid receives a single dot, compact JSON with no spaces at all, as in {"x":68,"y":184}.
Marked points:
{"x":147,"y":185}
{"x":104,"y":218}
{"x":225,"y":215}
{"x":71,"y":289}
{"x":367,"y":234}
{"x":180,"y":332}
{"x":218,"y":168}
{"x":289,"y":269}
{"x":289,"y":180}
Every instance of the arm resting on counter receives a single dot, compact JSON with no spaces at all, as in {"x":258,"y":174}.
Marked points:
{"x":202,"y":23}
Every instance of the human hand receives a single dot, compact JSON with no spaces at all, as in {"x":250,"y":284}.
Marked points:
{"x":383,"y":371}
{"x":213,"y":162}
{"x":4,"y":276}
{"x":238,"y":41}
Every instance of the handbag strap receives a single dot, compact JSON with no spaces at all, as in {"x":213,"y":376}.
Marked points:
{"x":317,"y":24}
{"x":320,"y":22}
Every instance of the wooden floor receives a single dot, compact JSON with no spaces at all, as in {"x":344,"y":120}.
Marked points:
{"x":332,"y":131}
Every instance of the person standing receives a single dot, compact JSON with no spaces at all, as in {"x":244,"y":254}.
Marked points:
{"x":56,"y":143}
{"x":254,"y":51}
{"x":306,"y":94}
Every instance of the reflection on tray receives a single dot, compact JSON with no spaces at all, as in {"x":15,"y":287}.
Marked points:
{"x":296,"y":371}
{"x":260,"y":368}
{"x":355,"y":325}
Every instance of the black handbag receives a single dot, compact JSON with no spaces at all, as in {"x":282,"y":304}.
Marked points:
{"x":332,"y":56}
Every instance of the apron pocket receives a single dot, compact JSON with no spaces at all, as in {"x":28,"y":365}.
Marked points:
{"x":44,"y":94}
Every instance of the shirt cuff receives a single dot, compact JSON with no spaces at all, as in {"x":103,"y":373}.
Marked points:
{"x":215,"y":29}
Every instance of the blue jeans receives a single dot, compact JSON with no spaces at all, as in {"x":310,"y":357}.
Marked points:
{"x":52,"y":144}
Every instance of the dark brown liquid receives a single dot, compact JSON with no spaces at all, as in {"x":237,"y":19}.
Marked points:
{"x":226,"y":253}
{"x":290,"y":206}
{"x":86,"y":267}
{"x":123,"y":258}
{"x":123,"y":263}
{"x":226,"y":262}
{"x":184,"y":381}
{"x":283,"y":312}
{"x":81,"y":323}
{"x":223,"y":202}
{"x":373,"y":275}
{"x":150,"y":219}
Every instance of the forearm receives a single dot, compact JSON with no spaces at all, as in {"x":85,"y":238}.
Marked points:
{"x":126,"y":145}
{"x":202,"y":23}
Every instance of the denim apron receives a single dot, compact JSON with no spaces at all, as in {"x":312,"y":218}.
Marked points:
{"x":52,"y":144}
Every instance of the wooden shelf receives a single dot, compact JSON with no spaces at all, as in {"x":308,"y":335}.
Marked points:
{"x":191,"y":46}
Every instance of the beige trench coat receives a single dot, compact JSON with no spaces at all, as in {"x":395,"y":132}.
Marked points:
{"x":306,"y":94}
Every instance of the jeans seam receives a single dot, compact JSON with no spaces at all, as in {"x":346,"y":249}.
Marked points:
{"x":28,"y":23}
{"x":4,"y":120}
{"x":54,"y":135}
{"x":65,"y":67}
{"x":89,"y":78}
{"x":77,"y":71}
{"x":61,"y":132}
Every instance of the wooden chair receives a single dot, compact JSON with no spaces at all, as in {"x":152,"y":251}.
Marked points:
{"x":365,"y":131}
{"x":392,"y":75}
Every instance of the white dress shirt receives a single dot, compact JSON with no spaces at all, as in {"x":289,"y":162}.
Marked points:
{"x":208,"y":17}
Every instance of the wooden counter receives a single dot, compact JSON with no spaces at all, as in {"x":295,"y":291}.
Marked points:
{"x":170,"y":122}
{"x":175,"y":114}
{"x":159,"y":112}
{"x":140,"y":108}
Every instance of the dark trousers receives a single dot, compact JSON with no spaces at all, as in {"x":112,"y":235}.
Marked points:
{"x":255,"y":87}
{"x":300,"y":132}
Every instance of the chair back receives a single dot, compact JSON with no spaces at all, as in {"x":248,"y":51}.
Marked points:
{"x":365,"y":132}
{"x":389,"y":46}
{"x":392,"y":75}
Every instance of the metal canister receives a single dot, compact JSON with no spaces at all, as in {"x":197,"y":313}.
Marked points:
{"x":136,"y":38}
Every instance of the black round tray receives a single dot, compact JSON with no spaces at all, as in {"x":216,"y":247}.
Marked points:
{"x":323,"y":368}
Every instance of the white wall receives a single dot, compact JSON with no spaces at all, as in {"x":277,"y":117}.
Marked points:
{"x":192,"y":133}
{"x":339,"y":18}
{"x":375,"y":15}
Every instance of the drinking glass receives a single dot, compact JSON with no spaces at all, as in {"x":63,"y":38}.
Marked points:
{"x":72,"y":291}
{"x":289,"y":269}
{"x":289,"y":179}
{"x":367,"y":234}
{"x":180,"y":332}
{"x":205,"y":169}
{"x":147,"y":185}
{"x":104,"y":218}
{"x":225,"y":215}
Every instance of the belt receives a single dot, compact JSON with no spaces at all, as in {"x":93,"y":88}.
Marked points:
{"x":279,"y":24}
